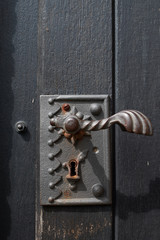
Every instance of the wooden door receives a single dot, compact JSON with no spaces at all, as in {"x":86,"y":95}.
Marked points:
{"x":79,"y":47}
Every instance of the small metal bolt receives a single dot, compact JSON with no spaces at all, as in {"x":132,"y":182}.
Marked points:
{"x":51,"y":185}
{"x":50,"y":128}
{"x":95,"y":108}
{"x":50,"y":199}
{"x":50,"y":114}
{"x":66,"y":107}
{"x":97,"y":190}
{"x":50,"y":142}
{"x":20,"y":126}
{"x":50,"y":100}
{"x":50,"y":170}
{"x":50,"y":156}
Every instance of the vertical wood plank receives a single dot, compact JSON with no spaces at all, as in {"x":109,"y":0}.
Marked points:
{"x":138,"y":87}
{"x":75,"y":47}
{"x":75,"y":57}
{"x":18,"y":41}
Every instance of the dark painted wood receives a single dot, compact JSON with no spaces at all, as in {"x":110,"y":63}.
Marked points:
{"x":75,"y":57}
{"x":138,"y":87}
{"x":18,"y":41}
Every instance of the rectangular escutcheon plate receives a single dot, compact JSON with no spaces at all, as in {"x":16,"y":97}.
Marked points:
{"x":75,"y":169}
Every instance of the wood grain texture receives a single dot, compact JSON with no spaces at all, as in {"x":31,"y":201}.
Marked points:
{"x":75,"y":47}
{"x":138,"y":86}
{"x":18,"y":37}
{"x":75,"y":57}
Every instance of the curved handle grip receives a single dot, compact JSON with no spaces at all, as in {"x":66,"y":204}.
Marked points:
{"x":74,"y":127}
{"x":130,"y":120}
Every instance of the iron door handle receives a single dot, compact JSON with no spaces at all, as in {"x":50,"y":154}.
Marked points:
{"x":74,"y":127}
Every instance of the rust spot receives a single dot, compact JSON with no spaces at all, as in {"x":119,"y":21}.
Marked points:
{"x":67,"y":135}
{"x":65,"y":107}
{"x":67,"y":194}
{"x":80,"y":134}
{"x":76,"y":136}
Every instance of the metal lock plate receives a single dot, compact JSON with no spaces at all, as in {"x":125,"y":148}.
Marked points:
{"x":76,"y":173}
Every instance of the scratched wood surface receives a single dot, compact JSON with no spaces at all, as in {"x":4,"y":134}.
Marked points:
{"x":138,"y":87}
{"x":18,"y":44}
{"x":74,"y":57}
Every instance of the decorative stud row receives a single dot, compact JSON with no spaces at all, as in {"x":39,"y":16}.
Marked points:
{"x":56,"y":178}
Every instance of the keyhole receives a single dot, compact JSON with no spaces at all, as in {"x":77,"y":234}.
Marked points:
{"x":73,"y":170}
{"x":73,"y":165}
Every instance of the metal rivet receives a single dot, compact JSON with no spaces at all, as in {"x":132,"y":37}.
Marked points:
{"x":95,"y":108}
{"x":72,"y":187}
{"x":97,"y":190}
{"x":52,"y":122}
{"x":50,"y":100}
{"x":79,"y":115}
{"x":50,"y":114}
{"x":50,"y":199}
{"x":64,"y":165}
{"x":20,"y":126}
{"x":51,"y":185}
{"x":50,"y":155}
{"x":50,"y":128}
{"x":50,"y":170}
{"x":50,"y":142}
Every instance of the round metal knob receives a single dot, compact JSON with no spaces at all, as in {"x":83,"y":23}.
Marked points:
{"x":71,"y":125}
